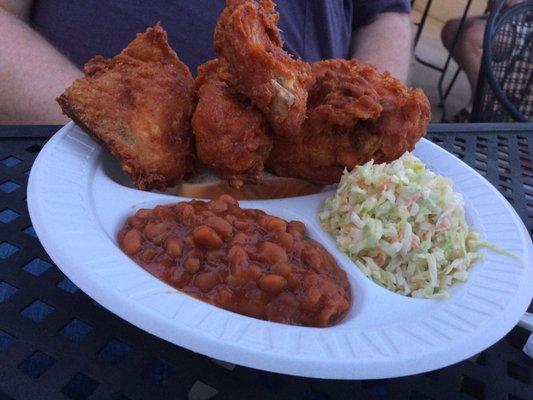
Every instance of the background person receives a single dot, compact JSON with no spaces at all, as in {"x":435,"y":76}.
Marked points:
{"x":468,"y":50}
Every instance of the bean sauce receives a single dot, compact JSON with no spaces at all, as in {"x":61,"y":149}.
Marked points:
{"x":242,"y":260}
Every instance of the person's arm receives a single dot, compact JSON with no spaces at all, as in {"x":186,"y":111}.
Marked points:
{"x":385,"y":43}
{"x":32,"y":72}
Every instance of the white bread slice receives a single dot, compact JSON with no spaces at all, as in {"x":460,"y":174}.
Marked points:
{"x":205,"y":185}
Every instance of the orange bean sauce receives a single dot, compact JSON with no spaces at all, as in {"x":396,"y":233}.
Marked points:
{"x":241,"y":260}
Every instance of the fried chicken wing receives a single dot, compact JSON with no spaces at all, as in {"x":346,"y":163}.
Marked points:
{"x":138,"y":105}
{"x":253,"y":63}
{"x":354,"y":114}
{"x":232,"y":136}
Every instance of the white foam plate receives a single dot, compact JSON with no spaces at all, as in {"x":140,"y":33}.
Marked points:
{"x":78,"y":199}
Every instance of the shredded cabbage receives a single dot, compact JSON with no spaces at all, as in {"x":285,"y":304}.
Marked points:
{"x":403,"y":225}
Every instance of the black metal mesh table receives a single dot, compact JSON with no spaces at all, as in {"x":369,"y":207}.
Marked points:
{"x":57,"y":343}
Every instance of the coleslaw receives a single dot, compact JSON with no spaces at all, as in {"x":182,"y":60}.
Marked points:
{"x":403,"y":225}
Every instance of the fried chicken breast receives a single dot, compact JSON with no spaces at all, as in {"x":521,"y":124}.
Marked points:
{"x":232,"y":136}
{"x":138,"y":105}
{"x":253,"y":63}
{"x":354,"y":114}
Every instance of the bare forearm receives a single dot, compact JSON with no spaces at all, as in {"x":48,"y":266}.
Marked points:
{"x":385,"y":43}
{"x":32,"y":74}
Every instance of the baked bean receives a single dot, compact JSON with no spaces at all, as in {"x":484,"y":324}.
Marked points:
{"x":220,"y":225}
{"x":218,"y":205}
{"x":252,"y":273}
{"x":147,"y":255}
{"x":191,"y":264}
{"x":235,"y":281}
{"x":240,"y":266}
{"x":215,"y":255}
{"x":285,"y":240}
{"x":173,"y":246}
{"x":297,"y":226}
{"x":206,"y":237}
{"x":253,"y":308}
{"x":189,"y":241}
{"x":143,"y":213}
{"x":165,"y":262}
{"x":243,"y":224}
{"x":120,"y":236}
{"x":224,"y":297}
{"x":135,"y":221}
{"x":325,"y":316}
{"x":237,"y":258}
{"x":230,"y":218}
{"x":311,"y":299}
{"x":230,"y":201}
{"x":242,"y":260}
{"x":206,"y":281}
{"x":253,"y":238}
{"x":163,"y":213}
{"x":244,"y":275}
{"x":275,"y":224}
{"x":271,"y":252}
{"x":282,"y":269}
{"x":272,"y":283}
{"x":242,"y":215}
{"x":295,"y":282}
{"x":208,"y":214}
{"x":180,"y":207}
{"x":288,"y":298}
{"x":179,"y":278}
{"x":239,"y":239}
{"x":186,"y":213}
{"x":312,"y":257}
{"x":283,"y":308}
{"x":328,"y":261}
{"x":311,"y":279}
{"x":296,"y":234}
{"x":131,"y":243}
{"x":156,"y":231}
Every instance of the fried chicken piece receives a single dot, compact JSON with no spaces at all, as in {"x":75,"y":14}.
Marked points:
{"x":232,"y":136}
{"x":138,"y":105}
{"x":252,"y":61}
{"x":354,"y":114}
{"x":343,"y":93}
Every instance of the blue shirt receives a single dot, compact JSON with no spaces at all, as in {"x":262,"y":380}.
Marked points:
{"x":312,"y":29}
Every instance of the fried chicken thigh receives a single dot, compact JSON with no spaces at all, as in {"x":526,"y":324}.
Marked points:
{"x":354,"y":114}
{"x":138,"y":105}
{"x":253,"y":63}
{"x":232,"y":136}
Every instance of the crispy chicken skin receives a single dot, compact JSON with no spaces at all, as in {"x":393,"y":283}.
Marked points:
{"x":138,"y":105}
{"x":328,"y":116}
{"x":354,"y":114}
{"x":253,"y":63}
{"x":232,"y":136}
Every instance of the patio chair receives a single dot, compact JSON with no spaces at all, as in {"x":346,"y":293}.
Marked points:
{"x":505,"y":88}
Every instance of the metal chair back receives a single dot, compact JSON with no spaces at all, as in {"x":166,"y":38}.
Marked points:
{"x":505,"y":89}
